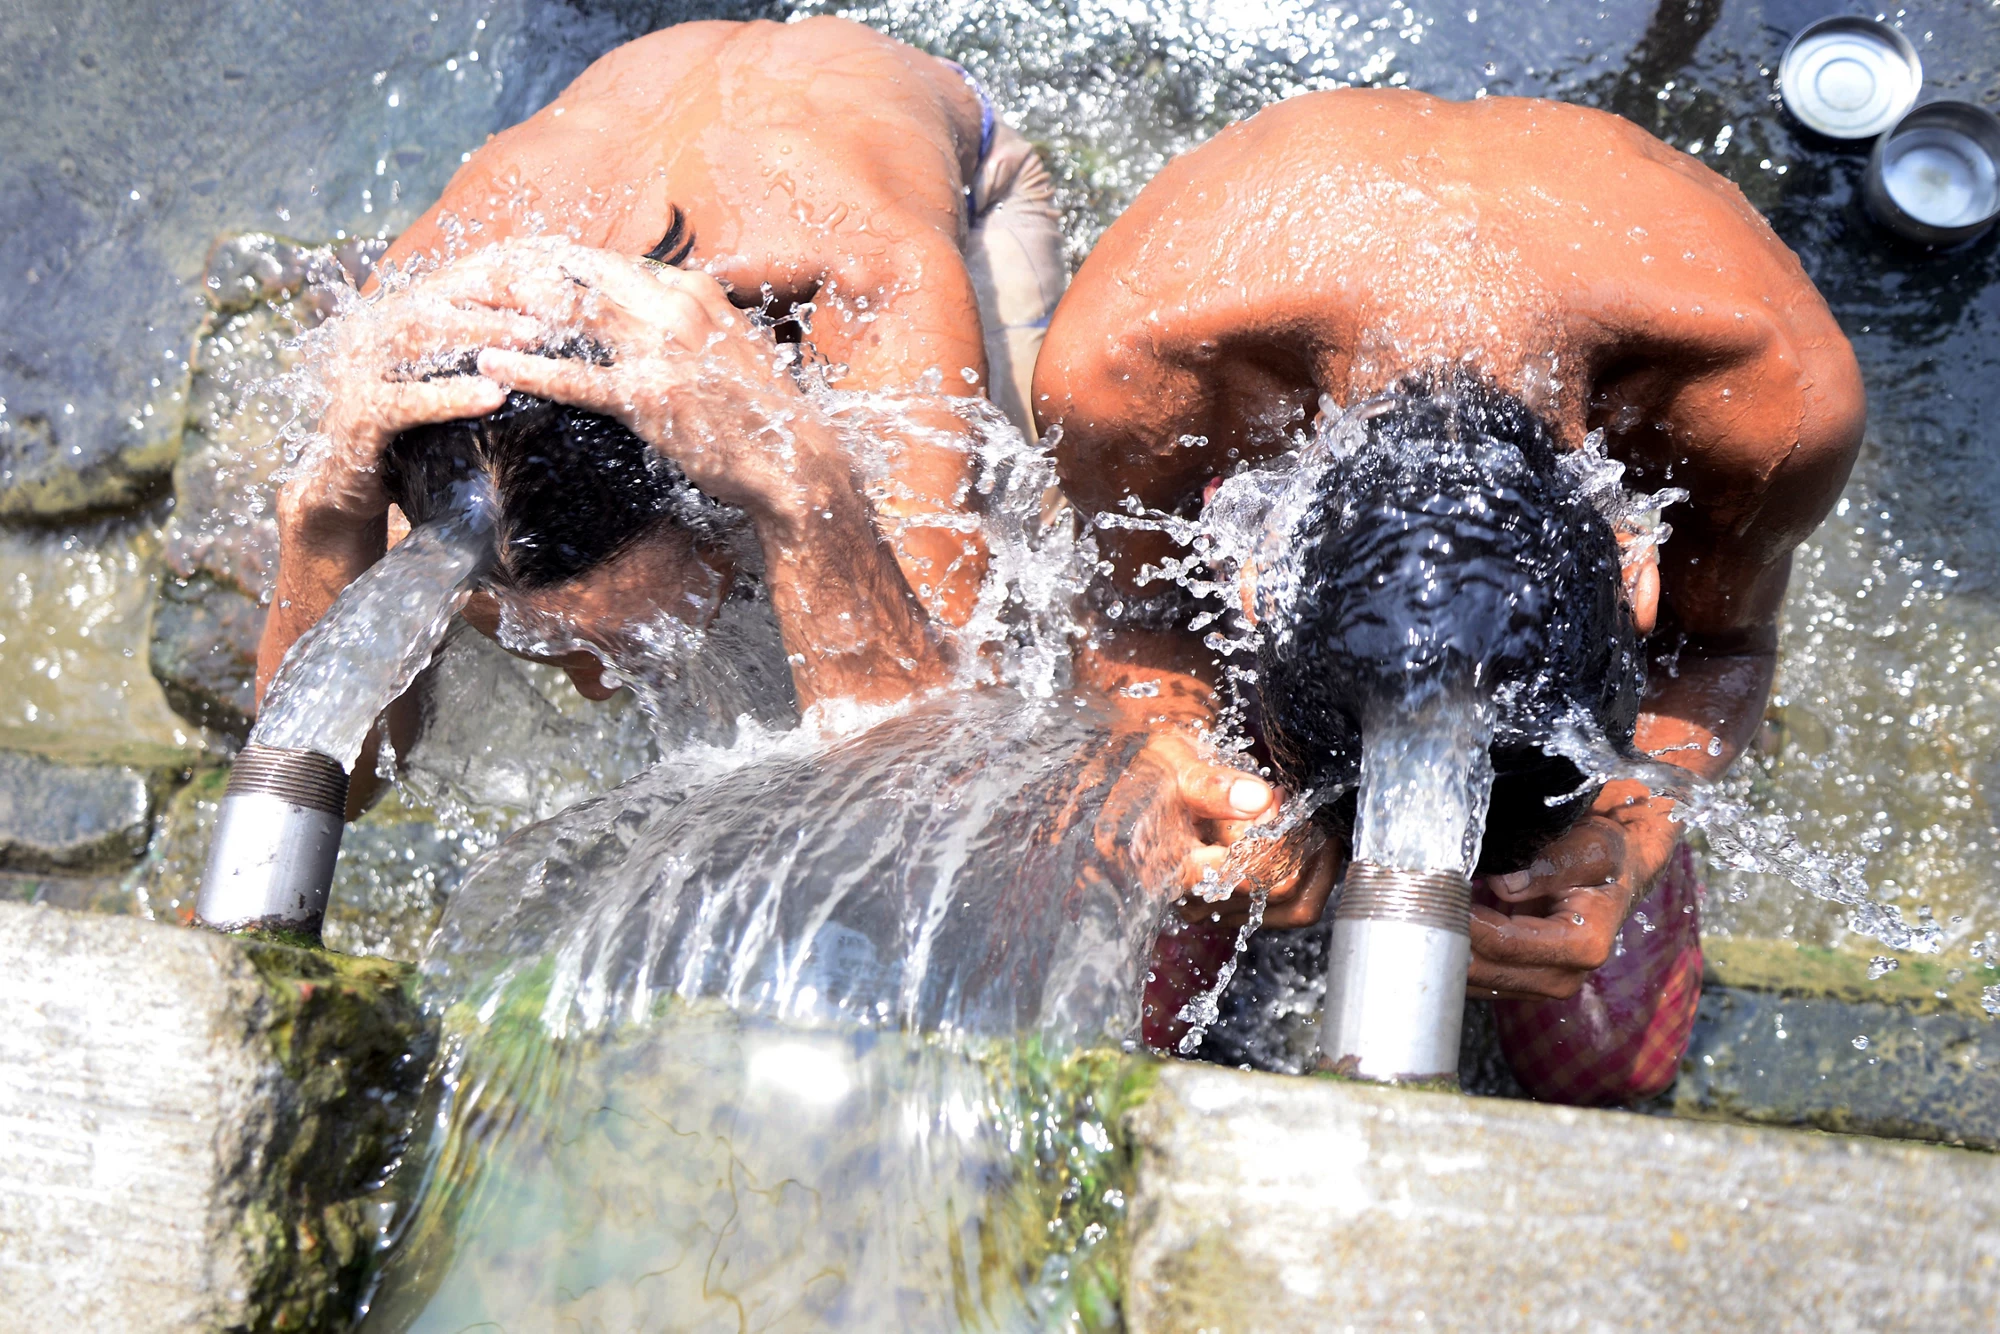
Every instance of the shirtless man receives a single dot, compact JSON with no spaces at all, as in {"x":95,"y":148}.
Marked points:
{"x":775,"y":165}
{"x":1336,"y":243}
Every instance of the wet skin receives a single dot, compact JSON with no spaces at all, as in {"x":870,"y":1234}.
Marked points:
{"x":1338,"y":241}
{"x":817,"y":161}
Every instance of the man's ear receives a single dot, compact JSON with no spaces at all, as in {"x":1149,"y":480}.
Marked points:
{"x":1641,"y":570}
{"x":590,"y":683}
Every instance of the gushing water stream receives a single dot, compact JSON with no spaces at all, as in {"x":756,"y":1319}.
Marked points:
{"x":1426,"y":776}
{"x":378,"y":634}
{"x":828,"y":1041}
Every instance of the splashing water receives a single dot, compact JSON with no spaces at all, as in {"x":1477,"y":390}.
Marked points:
{"x":1742,"y":839}
{"x":1426,"y":776}
{"x":378,"y":634}
{"x":905,"y":904}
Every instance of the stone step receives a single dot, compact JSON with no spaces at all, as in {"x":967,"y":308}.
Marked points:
{"x":192,"y":1124}
{"x":1266,"y":1202}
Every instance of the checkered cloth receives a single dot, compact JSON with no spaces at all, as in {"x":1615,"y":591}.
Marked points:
{"x":1620,"y":1039}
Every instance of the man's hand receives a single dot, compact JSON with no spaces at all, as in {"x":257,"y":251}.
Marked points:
{"x":372,"y":374}
{"x":1537,"y":933}
{"x":1171,"y":797}
{"x":672,"y":359}
{"x":332,"y":512}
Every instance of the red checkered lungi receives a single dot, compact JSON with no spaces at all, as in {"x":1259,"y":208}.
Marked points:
{"x":1187,"y":960}
{"x":1621,"y":1037}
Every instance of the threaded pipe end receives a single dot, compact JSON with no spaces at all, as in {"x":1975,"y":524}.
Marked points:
{"x":302,"y":777}
{"x":1375,"y":893}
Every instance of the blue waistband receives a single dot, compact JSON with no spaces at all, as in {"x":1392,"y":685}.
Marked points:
{"x":985,"y":108}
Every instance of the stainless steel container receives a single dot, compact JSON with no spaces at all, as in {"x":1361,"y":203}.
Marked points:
{"x":1849,"y":77}
{"x":1935,"y":176}
{"x":276,"y":841}
{"x":1396,"y":961}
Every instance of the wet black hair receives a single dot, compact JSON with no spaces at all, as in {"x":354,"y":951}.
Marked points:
{"x":574,"y":488}
{"x":1448,"y":549}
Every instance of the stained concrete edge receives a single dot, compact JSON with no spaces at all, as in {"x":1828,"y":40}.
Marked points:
{"x":192,"y":1123}
{"x":1264,"y":1202}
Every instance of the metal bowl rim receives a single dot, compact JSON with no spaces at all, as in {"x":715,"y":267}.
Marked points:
{"x":1892,"y":39}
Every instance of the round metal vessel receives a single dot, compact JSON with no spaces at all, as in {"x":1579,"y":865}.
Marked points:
{"x":1935,"y":176}
{"x":1849,"y":77}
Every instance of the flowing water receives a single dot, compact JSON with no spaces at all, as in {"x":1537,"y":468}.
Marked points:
{"x":1426,"y":776}
{"x":772,"y":1045}
{"x":379,"y":633}
{"x":605,"y":1136}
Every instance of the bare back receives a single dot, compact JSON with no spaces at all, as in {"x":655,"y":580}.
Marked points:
{"x":808,"y":157}
{"x":1340,"y":240}
{"x":815,"y":162}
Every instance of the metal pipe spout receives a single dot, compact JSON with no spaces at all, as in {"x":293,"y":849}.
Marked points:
{"x":1396,"y":961}
{"x":277,"y":838}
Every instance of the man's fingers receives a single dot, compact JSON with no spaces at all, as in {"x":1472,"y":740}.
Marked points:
{"x":1486,"y":980}
{"x":561,"y":379}
{"x":1217,"y":792}
{"x":1560,"y":941}
{"x":528,"y":286}
{"x":1204,"y":858}
{"x":1308,"y":904}
{"x":421,"y":403}
{"x":431,"y":328}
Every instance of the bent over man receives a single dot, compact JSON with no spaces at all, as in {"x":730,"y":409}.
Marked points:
{"x":603,"y":256}
{"x":1347,"y":246}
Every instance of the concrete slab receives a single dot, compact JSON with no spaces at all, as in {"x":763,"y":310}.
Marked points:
{"x":191,"y":1124}
{"x":1271,"y":1203}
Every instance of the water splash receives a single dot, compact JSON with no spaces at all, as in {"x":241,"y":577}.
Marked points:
{"x":378,"y":634}
{"x":1742,"y":838}
{"x":855,"y":933}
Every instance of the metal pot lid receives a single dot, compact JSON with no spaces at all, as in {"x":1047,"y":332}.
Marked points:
{"x":1849,"y":78}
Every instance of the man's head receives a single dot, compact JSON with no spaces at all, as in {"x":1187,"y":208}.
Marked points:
{"x":1448,"y":549}
{"x":597,"y":530}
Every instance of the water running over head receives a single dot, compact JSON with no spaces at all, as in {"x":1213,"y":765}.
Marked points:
{"x":608,"y":562}
{"x":1441,"y":552}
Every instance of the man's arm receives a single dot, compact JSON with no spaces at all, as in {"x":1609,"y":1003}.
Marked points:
{"x":1765,"y":446}
{"x":688,"y":374}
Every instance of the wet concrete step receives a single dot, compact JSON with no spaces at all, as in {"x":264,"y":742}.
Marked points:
{"x":191,"y":1124}
{"x":1264,"y":1202}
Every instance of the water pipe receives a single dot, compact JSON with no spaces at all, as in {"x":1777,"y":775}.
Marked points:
{"x":1396,"y":961}
{"x":277,"y":837}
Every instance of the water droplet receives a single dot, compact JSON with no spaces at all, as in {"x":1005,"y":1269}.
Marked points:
{"x":1989,"y":1000}
{"x":1861,"y":1042}
{"x":1881,"y":966}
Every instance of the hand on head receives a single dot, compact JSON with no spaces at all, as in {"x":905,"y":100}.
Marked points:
{"x":371,"y":367}
{"x":674,"y":361}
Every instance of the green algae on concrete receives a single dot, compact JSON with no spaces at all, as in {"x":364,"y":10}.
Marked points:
{"x":1953,"y":983}
{"x":196,"y":1123}
{"x":351,"y":1040}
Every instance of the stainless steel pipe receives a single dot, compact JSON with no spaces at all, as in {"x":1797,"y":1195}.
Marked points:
{"x":1395,"y":982}
{"x":277,"y":838}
